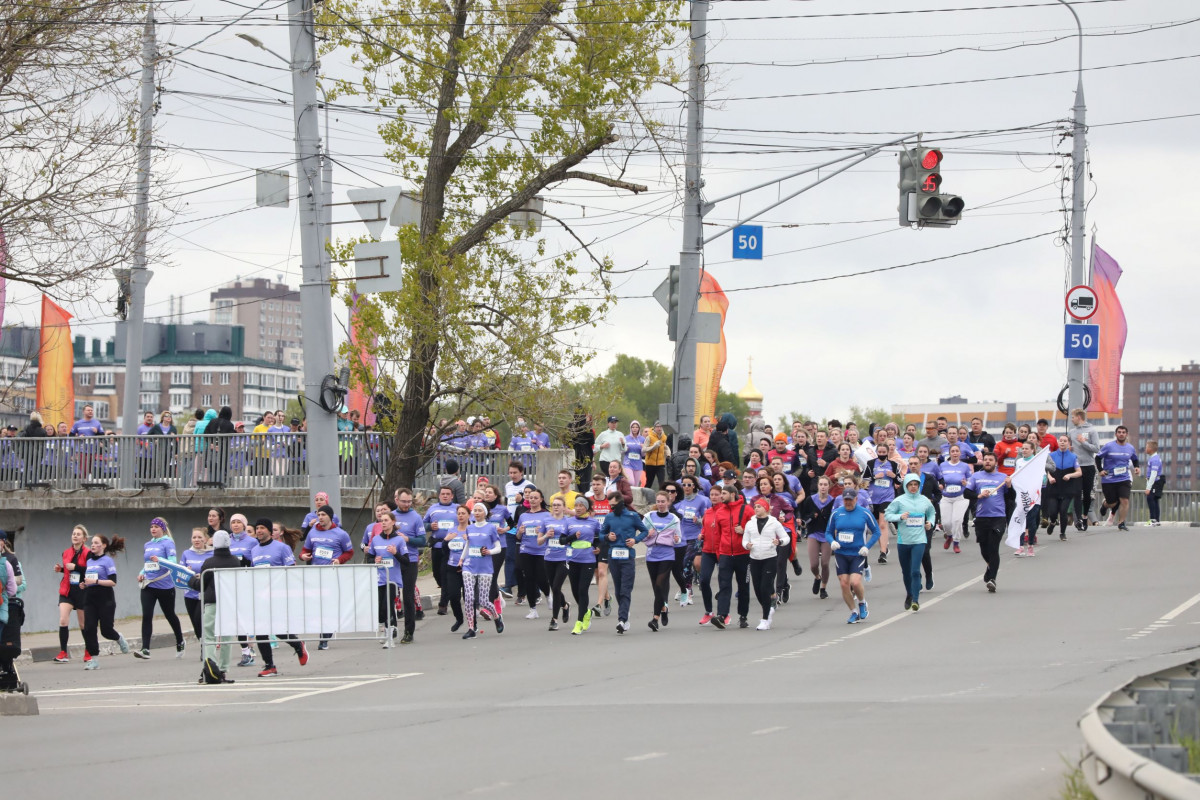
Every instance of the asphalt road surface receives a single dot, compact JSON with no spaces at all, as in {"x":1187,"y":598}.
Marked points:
{"x":976,"y":695}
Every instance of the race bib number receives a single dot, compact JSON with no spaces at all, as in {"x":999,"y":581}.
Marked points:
{"x":525,"y":448}
{"x":635,"y":456}
{"x":386,"y":563}
{"x":554,"y":544}
{"x":512,"y":499}
{"x":324,"y":552}
{"x":690,"y":515}
{"x":92,"y":576}
{"x":75,"y":577}
{"x":1010,"y":462}
{"x":530,"y":530}
{"x":456,"y":544}
{"x":475,"y":552}
{"x":444,"y":524}
{"x":914,"y":522}
{"x":618,"y":553}
{"x":845,"y":538}
{"x":262,"y":563}
{"x":952,"y":489}
{"x":883,"y":483}
{"x":151,"y":568}
{"x":1120,"y":470}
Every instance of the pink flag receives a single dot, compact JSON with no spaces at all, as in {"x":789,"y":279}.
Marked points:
{"x":1104,"y":374}
{"x":358,"y":399}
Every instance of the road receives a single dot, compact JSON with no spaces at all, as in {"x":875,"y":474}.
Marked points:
{"x":976,"y":695}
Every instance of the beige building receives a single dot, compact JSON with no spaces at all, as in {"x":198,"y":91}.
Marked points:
{"x":270,"y":314}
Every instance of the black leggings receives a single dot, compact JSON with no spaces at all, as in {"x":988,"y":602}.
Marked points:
{"x":708,"y":563}
{"x":165,"y":598}
{"x":783,"y":554}
{"x":497,"y":565}
{"x":556,"y":572}
{"x":533,"y":577}
{"x":762,"y":575}
{"x":1087,"y":485}
{"x":192,"y":604}
{"x":452,"y":586}
{"x":660,"y":579}
{"x":926,"y":559}
{"x":581,"y":582}
{"x":408,"y":574}
{"x":264,"y":646}
{"x":654,"y":473}
{"x":387,"y":605}
{"x":679,"y":568}
{"x":98,"y":613}
{"x":1057,"y":509}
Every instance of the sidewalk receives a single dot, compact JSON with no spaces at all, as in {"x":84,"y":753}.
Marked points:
{"x":37,"y":647}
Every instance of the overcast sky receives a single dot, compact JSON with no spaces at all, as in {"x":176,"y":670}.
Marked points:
{"x":986,"y":326}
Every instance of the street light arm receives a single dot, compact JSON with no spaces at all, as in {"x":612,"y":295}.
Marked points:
{"x":1079,"y":26}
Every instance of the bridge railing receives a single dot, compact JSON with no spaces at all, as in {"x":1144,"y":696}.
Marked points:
{"x":232,"y":461}
{"x":1175,"y":506}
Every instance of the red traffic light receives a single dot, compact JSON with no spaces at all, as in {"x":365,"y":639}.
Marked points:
{"x":931,"y":159}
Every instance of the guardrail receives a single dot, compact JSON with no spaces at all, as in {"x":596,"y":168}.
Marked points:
{"x":1175,"y":506}
{"x":1134,"y":738}
{"x":233,"y":461}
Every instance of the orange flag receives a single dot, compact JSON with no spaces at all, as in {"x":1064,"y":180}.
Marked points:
{"x":1104,"y":374}
{"x":56,"y":363}
{"x":710,"y":358}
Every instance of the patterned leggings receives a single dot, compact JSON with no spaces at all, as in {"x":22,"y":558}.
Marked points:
{"x":475,"y":595}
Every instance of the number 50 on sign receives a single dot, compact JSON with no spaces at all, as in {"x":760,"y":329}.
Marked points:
{"x":1082,"y":342}
{"x":747,"y":242}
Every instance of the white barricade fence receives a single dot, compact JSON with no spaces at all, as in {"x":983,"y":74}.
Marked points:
{"x":299,"y":600}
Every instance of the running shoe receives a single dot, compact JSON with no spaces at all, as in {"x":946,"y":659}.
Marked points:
{"x":124,"y":645}
{"x":683,"y":598}
{"x":179,"y":648}
{"x":267,"y":672}
{"x":771,"y":615}
{"x":916,"y":606}
{"x":578,"y":629}
{"x":796,"y":568}
{"x":453,"y":628}
{"x":816,"y":585}
{"x":303,"y":654}
{"x":1062,"y":537}
{"x":553,"y":625}
{"x":653,"y":625}
{"x":957,"y":549}
{"x":620,"y":627}
{"x":86,"y":656}
{"x":324,"y":645}
{"x":596,"y":610}
{"x":505,"y":591}
{"x":853,"y":618}
{"x":1085,"y":524}
{"x":1031,"y":552}
{"x":867,"y":573}
{"x":420,"y":615}
{"x":520,"y":601}
{"x":707,"y":618}
{"x":406,"y":639}
{"x":1020,"y":552}
{"x":566,"y":612}
{"x":63,"y":657}
{"x":882,"y":558}
{"x":143,"y":653}
{"x":441,"y":612}
{"x":663,"y":617}
{"x":763,"y":625}
{"x":907,"y":602}
{"x":499,"y":625}
{"x":743,"y":622}
{"x":946,"y":544}
{"x":862,"y":609}
{"x":607,"y":606}
{"x":785,"y":594}
{"x":691,"y":597}
{"x":1122,"y":527}
{"x":90,"y":665}
{"x":929,"y":583}
{"x":387,"y":643}
{"x":533,"y":614}
{"x":470,"y":634}
{"x":487,"y":612}
{"x":991,"y":587}
{"x":718,"y":623}
{"x":587,"y":620}
{"x":824,"y":594}
{"x":247,"y":659}
{"x":727,"y":620}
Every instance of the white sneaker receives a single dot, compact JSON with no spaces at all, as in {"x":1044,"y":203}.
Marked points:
{"x":533,"y":614}
{"x":770,"y":616}
{"x":763,"y":626}
{"x":683,"y":599}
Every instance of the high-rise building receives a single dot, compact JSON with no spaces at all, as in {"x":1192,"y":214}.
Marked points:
{"x":270,"y":313}
{"x":1166,"y":403}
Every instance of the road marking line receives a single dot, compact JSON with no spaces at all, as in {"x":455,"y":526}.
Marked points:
{"x":226,"y":687}
{"x":1179,"y":609}
{"x":765,"y":731}
{"x":1165,"y":620}
{"x":645,"y":757}
{"x":329,"y":689}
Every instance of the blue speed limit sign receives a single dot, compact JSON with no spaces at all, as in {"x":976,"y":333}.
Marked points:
{"x":747,"y":242}
{"x":1082,"y":342}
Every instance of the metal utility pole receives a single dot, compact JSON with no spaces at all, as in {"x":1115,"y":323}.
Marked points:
{"x":684,"y":381}
{"x":139,"y":275}
{"x":315,"y":305}
{"x":1077,"y":368}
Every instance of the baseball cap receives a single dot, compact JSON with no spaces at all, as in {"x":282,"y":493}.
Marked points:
{"x":730,"y":475}
{"x":613,"y":418}
{"x":295,"y":420}
{"x":850,"y":494}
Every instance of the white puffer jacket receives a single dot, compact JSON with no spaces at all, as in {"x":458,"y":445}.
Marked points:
{"x":762,"y":544}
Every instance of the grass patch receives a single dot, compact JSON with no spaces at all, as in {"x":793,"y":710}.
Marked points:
{"x":1193,"y":752}
{"x":1074,"y":785}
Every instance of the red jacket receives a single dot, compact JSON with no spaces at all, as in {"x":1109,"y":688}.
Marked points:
{"x":729,"y":516}
{"x":710,"y":532}
{"x":68,"y":555}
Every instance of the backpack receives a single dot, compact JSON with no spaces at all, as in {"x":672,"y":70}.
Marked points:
{"x":210,"y":673}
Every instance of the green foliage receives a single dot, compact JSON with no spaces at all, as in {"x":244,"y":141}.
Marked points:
{"x":863,"y":416}
{"x":1074,"y":785}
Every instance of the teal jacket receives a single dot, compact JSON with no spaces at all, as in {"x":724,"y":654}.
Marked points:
{"x":920,"y":511}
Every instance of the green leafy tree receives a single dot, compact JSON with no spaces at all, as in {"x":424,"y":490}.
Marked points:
{"x":863,"y":416}
{"x":487,"y":105}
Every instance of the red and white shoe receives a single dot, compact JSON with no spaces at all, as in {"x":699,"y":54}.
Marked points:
{"x":63,"y":657}
{"x":707,"y":618}
{"x":86,"y":656}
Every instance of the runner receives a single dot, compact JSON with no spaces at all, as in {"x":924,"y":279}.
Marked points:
{"x":530,"y":525}
{"x":815,"y":511}
{"x":1033,"y":517}
{"x":883,"y":476}
{"x":411,"y":528}
{"x":270,"y":553}
{"x":514,"y":492}
{"x":664,"y":537}
{"x":456,"y":547}
{"x":387,"y":551}
{"x":840,"y":467}
{"x":709,"y":540}
{"x":690,"y":508}
{"x":555,"y":561}
{"x":193,"y":558}
{"x":733,"y":561}
{"x":158,"y":587}
{"x":1085,"y":443}
{"x":632,"y":462}
{"x":438,"y":520}
{"x":100,"y":600}
{"x":479,"y":567}
{"x":846,"y":534}
{"x":987,"y":487}
{"x":914,"y":517}
{"x":1115,"y":462}
{"x":497,"y":514}
{"x":1155,"y":480}
{"x":623,"y":528}
{"x":600,"y":509}
{"x":565,"y":492}
{"x":952,"y":476}
{"x":72,"y":564}
{"x":580,"y":539}
{"x":241,"y":545}
{"x":762,"y":537}
{"x":783,"y":509}
{"x":1007,"y":451}
{"x":325,"y":544}
{"x":1059,"y":496}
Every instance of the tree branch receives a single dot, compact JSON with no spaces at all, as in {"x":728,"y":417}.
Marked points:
{"x":616,"y":183}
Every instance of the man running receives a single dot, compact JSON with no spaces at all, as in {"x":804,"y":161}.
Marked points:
{"x":846,"y":534}
{"x":987,"y":487}
{"x":623,"y":528}
{"x":1085,"y":443}
{"x":271,"y":553}
{"x":1116,"y":461}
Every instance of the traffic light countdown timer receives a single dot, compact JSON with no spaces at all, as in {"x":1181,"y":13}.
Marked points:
{"x":921,"y":198}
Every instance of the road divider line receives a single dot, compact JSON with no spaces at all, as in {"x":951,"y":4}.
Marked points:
{"x":1165,"y":620}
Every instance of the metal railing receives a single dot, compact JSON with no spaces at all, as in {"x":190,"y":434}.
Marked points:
{"x":232,"y":461}
{"x":1175,"y":506}
{"x":1135,"y":737}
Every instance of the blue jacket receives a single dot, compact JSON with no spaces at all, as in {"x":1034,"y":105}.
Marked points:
{"x":848,"y":528}
{"x":626,"y":524}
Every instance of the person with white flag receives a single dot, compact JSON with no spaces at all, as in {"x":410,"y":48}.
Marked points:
{"x":1027,"y":481}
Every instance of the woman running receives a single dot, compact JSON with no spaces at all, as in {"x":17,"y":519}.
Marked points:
{"x":582,"y":532}
{"x":1033,"y":517}
{"x":497,"y":514}
{"x":840,"y":467}
{"x":660,"y":553}
{"x":600,"y":509}
{"x":952,"y":474}
{"x":763,"y":536}
{"x":555,"y":560}
{"x":632,"y":463}
{"x":782,"y":490}
{"x":452,"y":581}
{"x":72,"y":565}
{"x":532,"y":552}
{"x":782,"y":509}
{"x":100,"y":599}
{"x":386,"y":549}
{"x":1058,"y":496}
{"x":158,"y":586}
{"x":815,"y":511}
{"x":690,"y":508}
{"x":193,"y":558}
{"x":710,"y":539}
{"x":479,"y":569}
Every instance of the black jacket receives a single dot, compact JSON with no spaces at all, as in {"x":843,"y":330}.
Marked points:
{"x":220,"y":559}
{"x":678,"y":457}
{"x":34,"y":430}
{"x":719,"y":443}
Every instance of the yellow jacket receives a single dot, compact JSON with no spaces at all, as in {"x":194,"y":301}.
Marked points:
{"x":654,"y":456}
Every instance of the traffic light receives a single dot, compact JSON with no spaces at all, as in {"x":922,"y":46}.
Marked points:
{"x":921,"y":199}
{"x":673,"y":303}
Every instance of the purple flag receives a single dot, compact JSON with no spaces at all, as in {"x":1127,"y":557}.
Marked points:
{"x":1105,"y":372}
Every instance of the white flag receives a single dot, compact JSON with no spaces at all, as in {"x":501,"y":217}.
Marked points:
{"x":1027,"y":483}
